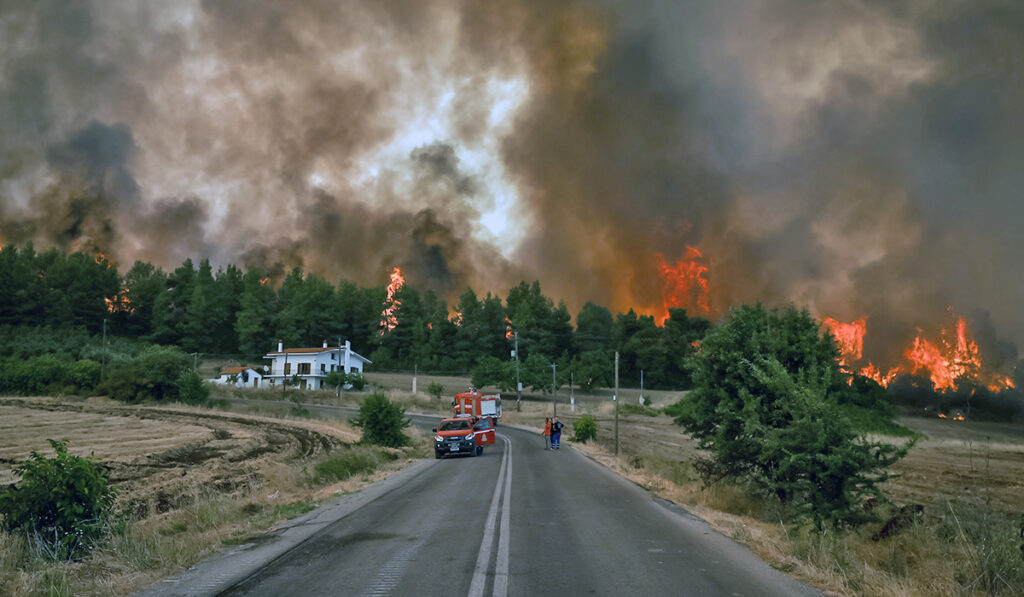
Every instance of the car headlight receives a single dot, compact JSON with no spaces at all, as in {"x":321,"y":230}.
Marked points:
{"x":438,"y":438}
{"x":469,"y":437}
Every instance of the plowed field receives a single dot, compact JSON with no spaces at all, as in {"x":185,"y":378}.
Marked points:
{"x":158,"y":456}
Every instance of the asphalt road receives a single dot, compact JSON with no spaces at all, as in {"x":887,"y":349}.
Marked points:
{"x":518,"y":520}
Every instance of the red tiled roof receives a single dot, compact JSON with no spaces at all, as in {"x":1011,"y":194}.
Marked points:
{"x":234,"y":370}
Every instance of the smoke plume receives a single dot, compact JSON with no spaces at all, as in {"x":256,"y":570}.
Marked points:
{"x":857,"y":158}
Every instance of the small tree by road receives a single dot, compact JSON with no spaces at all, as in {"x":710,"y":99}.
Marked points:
{"x":382,"y":421}
{"x":765,"y":406}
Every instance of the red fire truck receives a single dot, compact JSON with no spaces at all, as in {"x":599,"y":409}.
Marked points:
{"x":475,"y":404}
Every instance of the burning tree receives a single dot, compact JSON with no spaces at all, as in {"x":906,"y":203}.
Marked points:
{"x":389,"y":316}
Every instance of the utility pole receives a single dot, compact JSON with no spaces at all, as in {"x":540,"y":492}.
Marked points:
{"x":615,"y":399}
{"x":641,"y":387}
{"x":339,"y":369}
{"x":415,"y":371}
{"x":103,"y":365}
{"x":572,"y":397}
{"x":195,"y":361}
{"x":284,"y":377}
{"x":519,"y":386}
{"x":554,"y":404}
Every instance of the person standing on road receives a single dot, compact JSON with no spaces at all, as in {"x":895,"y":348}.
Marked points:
{"x":547,"y":433}
{"x":556,"y":434}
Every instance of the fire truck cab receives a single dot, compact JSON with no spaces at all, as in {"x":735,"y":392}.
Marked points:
{"x":475,"y":404}
{"x":463,"y":435}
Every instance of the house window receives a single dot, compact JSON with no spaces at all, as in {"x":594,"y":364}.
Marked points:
{"x":287,"y":368}
{"x":323,"y":368}
{"x":303,"y":368}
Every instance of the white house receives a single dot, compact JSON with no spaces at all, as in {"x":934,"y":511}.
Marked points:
{"x":311,"y":365}
{"x":243,"y":377}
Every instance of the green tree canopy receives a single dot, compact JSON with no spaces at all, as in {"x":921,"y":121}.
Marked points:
{"x":763,"y":406}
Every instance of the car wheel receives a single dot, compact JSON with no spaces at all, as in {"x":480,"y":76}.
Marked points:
{"x":437,"y":454}
{"x":479,"y":450}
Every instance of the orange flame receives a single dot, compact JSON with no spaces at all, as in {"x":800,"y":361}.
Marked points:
{"x":389,"y":317}
{"x":264,"y":281}
{"x":120,"y":303}
{"x":849,"y":339}
{"x":948,"y":362}
{"x":953,"y":357}
{"x":456,"y":319}
{"x":686,"y":284}
{"x":508,"y":329}
{"x":873,"y":372}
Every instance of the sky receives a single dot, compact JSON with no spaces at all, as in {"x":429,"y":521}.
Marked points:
{"x":855,"y":158}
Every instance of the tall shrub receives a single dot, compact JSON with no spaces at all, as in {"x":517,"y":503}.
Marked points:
{"x":61,"y":501}
{"x":764,"y":405}
{"x":382,"y":421}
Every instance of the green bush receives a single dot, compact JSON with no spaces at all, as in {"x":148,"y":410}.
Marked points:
{"x":83,"y":374}
{"x":63,"y":502}
{"x":767,"y":405}
{"x":356,"y":380}
{"x":628,"y":408}
{"x":334,"y":379}
{"x":192,"y":389}
{"x":382,"y":421}
{"x":352,"y":461}
{"x":45,"y":374}
{"x":584,"y":428}
{"x":435,"y":389}
{"x":156,"y":374}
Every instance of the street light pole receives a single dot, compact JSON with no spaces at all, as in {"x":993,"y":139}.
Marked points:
{"x":615,"y":398}
{"x":519,"y":386}
{"x":554,"y":404}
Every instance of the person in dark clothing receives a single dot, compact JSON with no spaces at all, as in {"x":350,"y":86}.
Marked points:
{"x":556,"y":433}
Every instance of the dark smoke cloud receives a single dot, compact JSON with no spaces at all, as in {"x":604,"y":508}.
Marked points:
{"x":857,"y":158}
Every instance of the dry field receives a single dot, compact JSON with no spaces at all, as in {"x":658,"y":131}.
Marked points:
{"x":158,"y":456}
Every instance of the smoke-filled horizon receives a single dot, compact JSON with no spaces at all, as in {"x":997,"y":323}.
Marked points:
{"x":855,"y":158}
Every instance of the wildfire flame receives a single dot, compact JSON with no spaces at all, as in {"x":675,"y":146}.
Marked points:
{"x":456,"y":319}
{"x":686,"y":284}
{"x":952,"y":357}
{"x":120,"y":303}
{"x":849,"y":338}
{"x":264,"y":281}
{"x":389,"y":317}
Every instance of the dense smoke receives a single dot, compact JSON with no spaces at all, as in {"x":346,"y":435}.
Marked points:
{"x":856,"y":158}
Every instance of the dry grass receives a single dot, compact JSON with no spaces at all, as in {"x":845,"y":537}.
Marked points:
{"x":965,"y":544}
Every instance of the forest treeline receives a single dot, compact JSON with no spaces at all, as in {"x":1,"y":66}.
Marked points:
{"x":243,"y":314}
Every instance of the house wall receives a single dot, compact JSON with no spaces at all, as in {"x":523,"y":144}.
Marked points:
{"x":319,"y":365}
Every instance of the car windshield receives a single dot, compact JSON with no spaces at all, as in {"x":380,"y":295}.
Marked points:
{"x":454,"y":425}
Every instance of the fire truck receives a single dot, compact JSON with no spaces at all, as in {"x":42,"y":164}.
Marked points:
{"x":463,"y":435}
{"x":475,"y":404}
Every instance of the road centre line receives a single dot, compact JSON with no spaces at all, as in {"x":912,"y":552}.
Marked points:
{"x":476,"y":587}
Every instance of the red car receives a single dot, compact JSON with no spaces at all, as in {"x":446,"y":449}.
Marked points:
{"x":463,"y":435}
